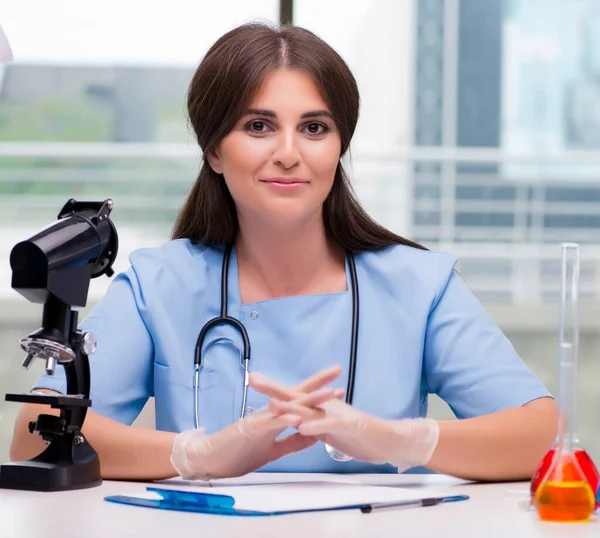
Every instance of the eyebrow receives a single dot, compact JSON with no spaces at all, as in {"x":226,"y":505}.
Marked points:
{"x":271,"y":114}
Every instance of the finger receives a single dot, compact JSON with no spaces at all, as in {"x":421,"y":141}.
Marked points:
{"x":339,"y":393}
{"x":267,"y":421}
{"x":268,"y":387}
{"x":306,"y":405}
{"x":260,"y":411}
{"x":324,"y":426}
{"x":314,"y":399}
{"x":290,"y":444}
{"x":319,"y":380}
{"x":284,"y":420}
{"x":277,"y":407}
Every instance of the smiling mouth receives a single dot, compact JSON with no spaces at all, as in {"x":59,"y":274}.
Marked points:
{"x":284,"y":181}
{"x":285,"y":184}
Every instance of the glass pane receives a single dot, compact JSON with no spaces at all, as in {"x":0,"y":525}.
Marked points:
{"x":92,"y":107}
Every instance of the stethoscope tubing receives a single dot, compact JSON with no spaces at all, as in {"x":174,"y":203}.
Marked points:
{"x":225,"y":319}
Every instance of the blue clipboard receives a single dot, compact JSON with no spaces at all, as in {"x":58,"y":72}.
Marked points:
{"x":224,"y":505}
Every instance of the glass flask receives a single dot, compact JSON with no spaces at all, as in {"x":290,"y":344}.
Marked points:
{"x":566,"y":489}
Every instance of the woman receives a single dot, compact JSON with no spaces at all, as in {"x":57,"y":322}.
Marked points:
{"x":274,"y":111}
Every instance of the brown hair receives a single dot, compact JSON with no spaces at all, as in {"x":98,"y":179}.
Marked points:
{"x":221,"y":89}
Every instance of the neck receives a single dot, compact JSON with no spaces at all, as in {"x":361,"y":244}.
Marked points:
{"x":282,"y":262}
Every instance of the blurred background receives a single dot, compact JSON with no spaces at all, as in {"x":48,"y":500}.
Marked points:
{"x":479,"y":134}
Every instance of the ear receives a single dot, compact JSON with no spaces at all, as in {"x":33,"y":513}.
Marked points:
{"x":214,"y":161}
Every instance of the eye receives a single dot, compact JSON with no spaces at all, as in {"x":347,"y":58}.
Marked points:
{"x":257,"y":126}
{"x":316,"y":128}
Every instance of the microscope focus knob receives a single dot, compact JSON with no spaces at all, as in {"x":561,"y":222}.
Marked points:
{"x":88,"y":344}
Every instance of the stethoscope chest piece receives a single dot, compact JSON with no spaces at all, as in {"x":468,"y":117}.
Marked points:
{"x":336,"y":454}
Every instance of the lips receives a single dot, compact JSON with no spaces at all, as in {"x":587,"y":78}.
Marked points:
{"x":285,"y":180}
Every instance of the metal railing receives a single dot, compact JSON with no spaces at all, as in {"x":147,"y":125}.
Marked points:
{"x":501,"y":214}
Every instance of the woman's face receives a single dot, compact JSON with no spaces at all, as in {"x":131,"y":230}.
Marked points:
{"x":280,"y":158}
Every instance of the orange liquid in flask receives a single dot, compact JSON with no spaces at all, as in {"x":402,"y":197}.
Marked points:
{"x":566,"y":494}
{"x":585,"y":462}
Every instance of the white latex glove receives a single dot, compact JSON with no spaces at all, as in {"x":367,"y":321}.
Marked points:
{"x":403,"y":443}
{"x":250,"y":443}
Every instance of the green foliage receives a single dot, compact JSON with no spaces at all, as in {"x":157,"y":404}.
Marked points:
{"x":81,"y":119}
{"x":77,"y":119}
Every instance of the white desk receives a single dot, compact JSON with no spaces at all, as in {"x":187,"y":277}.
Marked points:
{"x":494,"y":510}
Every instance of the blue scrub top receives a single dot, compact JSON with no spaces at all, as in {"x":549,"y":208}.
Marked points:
{"x":421,"y":331}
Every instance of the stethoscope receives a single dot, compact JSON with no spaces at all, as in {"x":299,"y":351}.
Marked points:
{"x":224,"y":319}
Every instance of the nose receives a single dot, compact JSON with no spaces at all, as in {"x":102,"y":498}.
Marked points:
{"x":287,"y":154}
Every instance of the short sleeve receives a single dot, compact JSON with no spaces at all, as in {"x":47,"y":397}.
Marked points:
{"x":469,"y":362}
{"x":121,"y":367}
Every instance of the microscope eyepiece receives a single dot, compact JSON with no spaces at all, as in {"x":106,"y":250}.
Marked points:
{"x":61,"y":259}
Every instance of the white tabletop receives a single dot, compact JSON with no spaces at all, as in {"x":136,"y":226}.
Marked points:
{"x":494,"y":510}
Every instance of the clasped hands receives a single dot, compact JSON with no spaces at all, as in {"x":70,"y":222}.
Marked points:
{"x":403,"y":443}
{"x":318,"y":414}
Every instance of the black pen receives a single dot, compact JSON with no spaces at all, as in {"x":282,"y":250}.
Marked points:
{"x":431,"y":501}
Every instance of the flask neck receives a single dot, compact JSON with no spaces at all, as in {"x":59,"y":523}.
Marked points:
{"x":567,"y":393}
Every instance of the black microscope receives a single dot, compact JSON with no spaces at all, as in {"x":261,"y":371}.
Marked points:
{"x":54,"y":268}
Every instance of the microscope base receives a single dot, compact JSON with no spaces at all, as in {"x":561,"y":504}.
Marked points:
{"x":39,"y":475}
{"x":35,"y":476}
